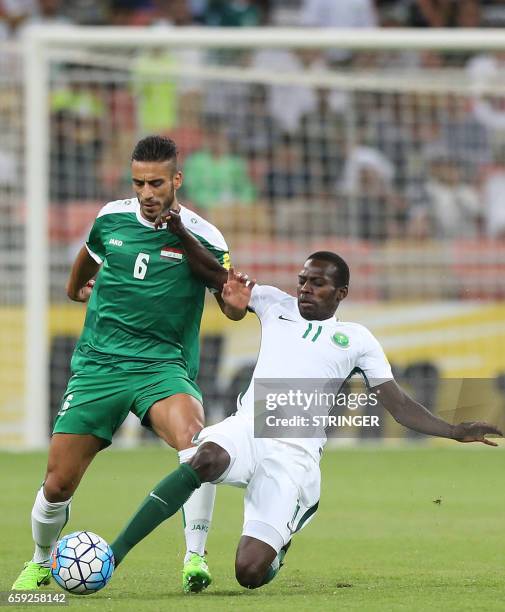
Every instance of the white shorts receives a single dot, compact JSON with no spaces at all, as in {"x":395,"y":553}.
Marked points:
{"x":283,"y":481}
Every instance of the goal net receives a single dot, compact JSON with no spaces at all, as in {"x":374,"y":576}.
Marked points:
{"x":389,"y":151}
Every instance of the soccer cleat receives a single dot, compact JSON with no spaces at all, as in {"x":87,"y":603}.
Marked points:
{"x":32,"y":577}
{"x":195,"y":574}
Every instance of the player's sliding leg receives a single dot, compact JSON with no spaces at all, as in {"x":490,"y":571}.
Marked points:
{"x":169,"y":495}
{"x":281,"y":498}
{"x":176,"y":420}
{"x":69,"y":456}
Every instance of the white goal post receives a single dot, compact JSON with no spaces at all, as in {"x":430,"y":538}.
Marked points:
{"x":41,"y":44}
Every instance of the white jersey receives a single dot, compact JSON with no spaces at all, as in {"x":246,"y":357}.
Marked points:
{"x":294,"y":348}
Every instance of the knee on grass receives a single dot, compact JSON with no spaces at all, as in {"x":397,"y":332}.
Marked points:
{"x":250,"y":575}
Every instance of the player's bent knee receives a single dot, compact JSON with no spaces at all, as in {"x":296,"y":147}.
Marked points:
{"x":58,"y":489}
{"x":249,"y":575}
{"x":210,"y":462}
{"x":182,"y":439}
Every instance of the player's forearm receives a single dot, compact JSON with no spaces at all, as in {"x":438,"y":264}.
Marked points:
{"x":417,"y":417}
{"x":410,"y":413}
{"x":235,"y":314}
{"x":82,"y":293}
{"x":202,"y":263}
{"x":83,"y":270}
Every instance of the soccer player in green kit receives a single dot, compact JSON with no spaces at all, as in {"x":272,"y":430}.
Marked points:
{"x":139,"y":348}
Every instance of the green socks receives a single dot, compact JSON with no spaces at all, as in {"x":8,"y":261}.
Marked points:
{"x":272,"y":571}
{"x":276,"y":565}
{"x":163,"y":501}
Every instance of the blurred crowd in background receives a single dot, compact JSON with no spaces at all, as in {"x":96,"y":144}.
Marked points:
{"x":316,"y":13}
{"x":375,"y":163}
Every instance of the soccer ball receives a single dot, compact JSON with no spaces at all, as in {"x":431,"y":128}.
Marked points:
{"x":82,"y":563}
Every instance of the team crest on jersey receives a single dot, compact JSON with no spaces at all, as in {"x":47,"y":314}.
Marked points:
{"x":173,"y":253}
{"x":340,"y":340}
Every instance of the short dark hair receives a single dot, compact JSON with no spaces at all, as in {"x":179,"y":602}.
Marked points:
{"x":343,"y":274}
{"x":155,"y":149}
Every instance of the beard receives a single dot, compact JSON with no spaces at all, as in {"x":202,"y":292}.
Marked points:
{"x":151,"y":209}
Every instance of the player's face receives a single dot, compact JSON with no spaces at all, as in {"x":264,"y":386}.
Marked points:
{"x":318,"y":297}
{"x":155,"y":184}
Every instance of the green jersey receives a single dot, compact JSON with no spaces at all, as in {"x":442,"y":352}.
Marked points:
{"x":146,"y":305}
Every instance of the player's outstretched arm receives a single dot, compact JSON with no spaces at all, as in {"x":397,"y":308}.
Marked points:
{"x":236,"y":295}
{"x":80,"y":283}
{"x":413,"y":415}
{"x":202,"y":262}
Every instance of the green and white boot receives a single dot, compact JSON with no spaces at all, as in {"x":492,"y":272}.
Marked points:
{"x":33,"y":576}
{"x":195,"y":574}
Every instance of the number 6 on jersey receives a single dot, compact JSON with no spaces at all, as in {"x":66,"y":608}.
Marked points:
{"x":140,"y":268}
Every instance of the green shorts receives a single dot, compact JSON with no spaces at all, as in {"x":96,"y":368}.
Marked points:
{"x":97,"y":402}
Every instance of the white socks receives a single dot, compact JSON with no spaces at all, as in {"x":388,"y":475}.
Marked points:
{"x":48,"y":519}
{"x":197,"y":512}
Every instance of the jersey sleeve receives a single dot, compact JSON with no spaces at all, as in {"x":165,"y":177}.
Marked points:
{"x":373,"y":362}
{"x":216,"y":245}
{"x":264,"y":296}
{"x":223,"y":257}
{"x":220,"y":252}
{"x":94,"y":243}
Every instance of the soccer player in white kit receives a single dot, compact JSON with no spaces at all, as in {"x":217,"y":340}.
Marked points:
{"x":300,"y":339}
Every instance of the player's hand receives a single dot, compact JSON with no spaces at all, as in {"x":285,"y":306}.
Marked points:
{"x":85,"y":292}
{"x":237,"y":289}
{"x":476,"y":432}
{"x":173,"y":220}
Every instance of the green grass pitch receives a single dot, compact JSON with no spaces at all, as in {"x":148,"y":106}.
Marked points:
{"x":380,"y":541}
